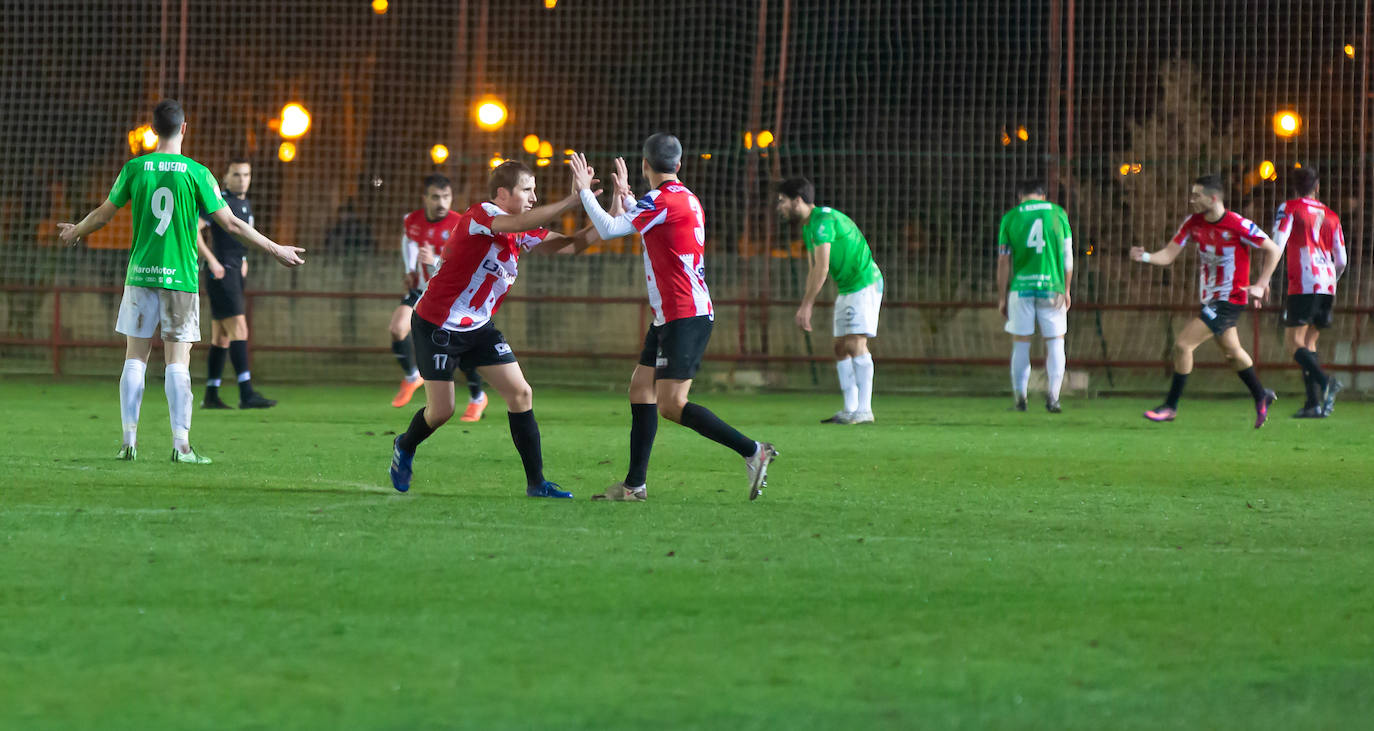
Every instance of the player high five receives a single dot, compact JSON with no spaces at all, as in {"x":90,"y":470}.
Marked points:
{"x":452,"y":326}
{"x":168,"y":191}
{"x":670,"y":219}
{"x":1314,"y":244}
{"x":836,"y":248}
{"x":1034,"y":271}
{"x":1224,"y":239}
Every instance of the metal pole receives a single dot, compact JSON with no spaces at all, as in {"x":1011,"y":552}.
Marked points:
{"x":751,"y":162}
{"x":1067,"y":193}
{"x":162,"y":54}
{"x":1361,"y":225}
{"x":1052,"y":110}
{"x":181,"y":51}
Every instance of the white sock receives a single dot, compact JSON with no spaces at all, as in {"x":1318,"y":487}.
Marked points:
{"x":413,"y":376}
{"x":848,"y":389}
{"x":863,"y":376}
{"x":244,"y":376}
{"x":1054,"y":366}
{"x":1020,"y":367}
{"x":213,"y":382}
{"x":131,"y":398}
{"x":178,"y":388}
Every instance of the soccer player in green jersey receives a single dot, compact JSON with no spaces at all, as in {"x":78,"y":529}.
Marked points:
{"x":836,"y":248}
{"x":1034,"y":271}
{"x":168,"y":191}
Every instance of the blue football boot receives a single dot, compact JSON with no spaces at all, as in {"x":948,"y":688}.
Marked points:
{"x":400,"y":466}
{"x":548,"y":489}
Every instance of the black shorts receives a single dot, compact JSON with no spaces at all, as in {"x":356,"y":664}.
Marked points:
{"x":411,"y":297}
{"x":438,"y":351}
{"x":226,"y":295}
{"x":1308,"y":309}
{"x":674,"y":349}
{"x":1220,"y":315}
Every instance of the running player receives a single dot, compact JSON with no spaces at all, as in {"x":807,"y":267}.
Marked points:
{"x":225,"y":284}
{"x":1034,"y":274}
{"x":670,"y":219}
{"x":425,"y":231}
{"x":452,"y":324}
{"x":168,"y":191}
{"x":1310,"y":233}
{"x":836,"y":248}
{"x":1224,"y":240}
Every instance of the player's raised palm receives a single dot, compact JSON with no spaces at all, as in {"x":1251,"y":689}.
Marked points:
{"x":582,"y":173}
{"x":621,"y":179}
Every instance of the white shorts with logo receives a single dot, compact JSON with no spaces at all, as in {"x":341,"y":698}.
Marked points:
{"x":144,"y":308}
{"x":1024,"y":312}
{"x":856,"y":313}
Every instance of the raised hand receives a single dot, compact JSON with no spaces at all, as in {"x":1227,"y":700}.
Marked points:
{"x":621,"y":179}
{"x":583,"y":175}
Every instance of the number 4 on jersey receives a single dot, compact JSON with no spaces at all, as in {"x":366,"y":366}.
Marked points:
{"x":1036,"y":238}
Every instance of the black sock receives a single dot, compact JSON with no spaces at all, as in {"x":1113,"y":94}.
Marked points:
{"x":1252,"y":382}
{"x":1176,"y":390}
{"x":418,"y":431}
{"x":643,"y":427}
{"x":215,"y":368}
{"x":1308,"y":360}
{"x":405,"y":354}
{"x":524,"y":431}
{"x":702,"y":421}
{"x":1314,"y":394}
{"x":238,"y":355}
{"x":474,"y":384}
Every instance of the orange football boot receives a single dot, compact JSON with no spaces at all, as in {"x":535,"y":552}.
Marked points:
{"x":474,"y":410}
{"x":406,"y":391}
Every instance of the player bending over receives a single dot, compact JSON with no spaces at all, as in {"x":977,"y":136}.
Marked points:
{"x":452,"y":324}
{"x":168,"y":191}
{"x":1310,"y":234}
{"x":836,"y":248}
{"x":1034,"y":271}
{"x":1224,"y":239}
{"x":425,"y":231}
{"x":670,"y":219}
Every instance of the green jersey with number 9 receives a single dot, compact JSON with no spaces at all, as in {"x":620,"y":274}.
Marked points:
{"x":168,"y":193}
{"x":1035,"y":235}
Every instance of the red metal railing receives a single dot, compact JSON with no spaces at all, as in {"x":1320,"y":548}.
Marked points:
{"x":57,"y":343}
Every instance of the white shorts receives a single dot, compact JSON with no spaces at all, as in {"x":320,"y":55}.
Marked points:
{"x":144,"y":308}
{"x":1024,"y":312}
{"x":856,"y":313}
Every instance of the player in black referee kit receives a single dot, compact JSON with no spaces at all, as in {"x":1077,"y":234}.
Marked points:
{"x":224,"y":283}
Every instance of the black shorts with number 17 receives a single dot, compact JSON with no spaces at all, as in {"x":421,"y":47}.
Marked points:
{"x":674,"y":349}
{"x":439,"y":351}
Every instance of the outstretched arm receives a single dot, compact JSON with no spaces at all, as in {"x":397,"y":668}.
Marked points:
{"x":556,"y":243}
{"x":1162,"y":258}
{"x":533,"y":218}
{"x":287,"y":256}
{"x":94,"y":221}
{"x":607,"y":226}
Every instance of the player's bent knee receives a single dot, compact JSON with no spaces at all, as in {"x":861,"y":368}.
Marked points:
{"x":671,"y":410}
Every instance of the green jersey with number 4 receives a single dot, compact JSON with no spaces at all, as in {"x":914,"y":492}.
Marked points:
{"x":1035,"y":235}
{"x":851,"y":261}
{"x":168,"y":193}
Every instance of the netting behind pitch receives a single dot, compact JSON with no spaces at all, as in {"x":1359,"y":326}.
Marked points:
{"x":916,"y":119}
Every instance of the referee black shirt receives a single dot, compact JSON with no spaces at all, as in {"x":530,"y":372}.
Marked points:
{"x":228,"y":249}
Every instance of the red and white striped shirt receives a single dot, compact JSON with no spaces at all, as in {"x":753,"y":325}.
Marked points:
{"x":1314,"y":245}
{"x":674,"y":230}
{"x":420,"y":231}
{"x":478,"y":268}
{"x":1223,"y":254}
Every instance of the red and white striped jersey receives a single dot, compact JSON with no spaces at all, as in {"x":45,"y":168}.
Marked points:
{"x":1223,"y":254}
{"x":479,"y":267}
{"x":1313,"y":243}
{"x":674,"y":229}
{"x":420,"y":231}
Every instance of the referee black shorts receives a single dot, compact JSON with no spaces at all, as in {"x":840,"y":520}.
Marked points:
{"x":674,"y":349}
{"x":1308,"y":309}
{"x":226,"y":294}
{"x":438,"y":352}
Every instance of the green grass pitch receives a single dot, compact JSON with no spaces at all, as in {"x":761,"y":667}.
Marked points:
{"x":953,"y":566}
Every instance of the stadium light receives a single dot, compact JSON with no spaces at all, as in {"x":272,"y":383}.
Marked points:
{"x":142,"y":137}
{"x":765,"y":139}
{"x":748,"y":140}
{"x":495,"y":161}
{"x":542,"y":162}
{"x":1287,"y":123}
{"x":550,"y":4}
{"x":706,"y":156}
{"x":1350,"y":50}
{"x":490,"y":113}
{"x":1267,"y":171}
{"x":1022,"y":134}
{"x":438,"y":153}
{"x":546,"y":149}
{"x":1006,"y":139}
{"x":531,"y":143}
{"x":380,"y":6}
{"x":286,"y":152}
{"x":295,"y":121}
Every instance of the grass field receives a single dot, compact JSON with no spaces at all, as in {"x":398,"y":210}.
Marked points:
{"x":953,"y":566}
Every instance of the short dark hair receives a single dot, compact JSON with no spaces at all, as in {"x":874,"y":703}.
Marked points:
{"x":1303,"y":181}
{"x":1212,"y":184}
{"x":168,"y":118}
{"x":436,"y":181}
{"x":1031,"y":187}
{"x":507,"y":175}
{"x":798,"y":188}
{"x":240,"y":160}
{"x":663,"y":151}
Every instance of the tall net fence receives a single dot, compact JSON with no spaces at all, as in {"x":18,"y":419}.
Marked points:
{"x":915,"y":119}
